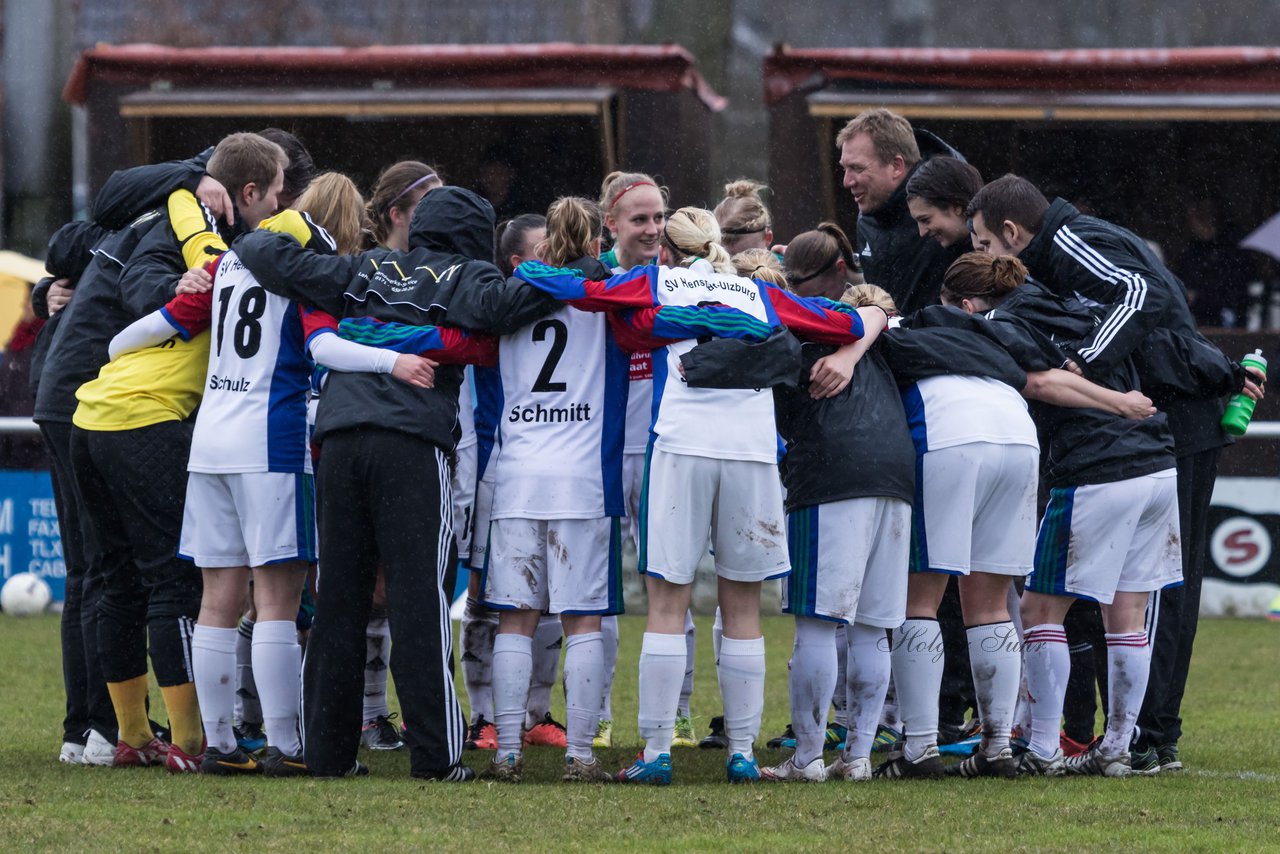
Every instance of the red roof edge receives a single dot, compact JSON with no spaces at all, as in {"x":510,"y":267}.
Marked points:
{"x":1209,"y":69}
{"x":655,"y":68}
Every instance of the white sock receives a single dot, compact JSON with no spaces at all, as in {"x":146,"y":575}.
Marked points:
{"x":995,"y":660}
{"x":866,"y":682}
{"x":717,"y":635}
{"x":690,"y":645}
{"x":917,"y":675}
{"x":213,"y":658}
{"x":662,"y":660}
{"x":377,"y":652}
{"x":812,"y":681}
{"x":583,"y":681}
{"x":277,"y":660}
{"x":247,"y":708}
{"x":839,"y":696}
{"x":512,"y":668}
{"x":548,"y":639}
{"x":741,"y":674}
{"x":1048,"y":665}
{"x":889,"y":714}
{"x":1128,"y":666}
{"x":609,"y":630}
{"x":479,"y":625}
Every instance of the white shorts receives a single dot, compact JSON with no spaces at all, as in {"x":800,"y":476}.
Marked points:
{"x":561,"y":566}
{"x":464,"y":493}
{"x":739,"y":502}
{"x":481,"y":510}
{"x":250,"y":519}
{"x":975,"y":509}
{"x":1106,"y":538}
{"x":632,"y":489}
{"x":849,"y":561}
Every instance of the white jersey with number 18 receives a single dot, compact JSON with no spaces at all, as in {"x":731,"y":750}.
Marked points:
{"x":564,"y":393}
{"x":254,"y":414}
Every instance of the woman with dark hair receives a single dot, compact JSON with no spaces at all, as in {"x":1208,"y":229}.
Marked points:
{"x":937,"y":195}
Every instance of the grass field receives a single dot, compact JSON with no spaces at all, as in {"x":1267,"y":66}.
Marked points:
{"x":1228,"y":799}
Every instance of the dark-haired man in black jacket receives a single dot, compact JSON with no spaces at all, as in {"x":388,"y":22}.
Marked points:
{"x":1111,"y":267}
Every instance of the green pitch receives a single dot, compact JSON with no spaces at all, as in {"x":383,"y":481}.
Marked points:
{"x":1229,"y":798}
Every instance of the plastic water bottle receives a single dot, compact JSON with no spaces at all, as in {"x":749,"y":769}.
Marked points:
{"x":1240,"y":410}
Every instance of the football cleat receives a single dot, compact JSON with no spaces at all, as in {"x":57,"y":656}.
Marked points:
{"x":71,"y":753}
{"x":1071,"y":747}
{"x":887,"y":739}
{"x":381,"y":734}
{"x":1169,"y":760}
{"x":1001,"y":765}
{"x":178,"y":761}
{"x":960,"y":741}
{"x":682,"y":734}
{"x":1032,"y":764}
{"x":98,"y":751}
{"x":786,"y":739}
{"x":250,"y":737}
{"x":1094,"y":763}
{"x":236,"y":762}
{"x":604,"y":734}
{"x":716,"y":738}
{"x":456,"y":774}
{"x":853,"y":770}
{"x":898,"y":767}
{"x":790,"y":772}
{"x":655,"y":773}
{"x":740,"y":769}
{"x":545,"y":733}
{"x":1145,"y":763}
{"x":276,"y":763}
{"x":151,"y":753}
{"x":358,"y":769}
{"x":577,"y":771}
{"x":505,"y":769}
{"x":482,"y":736}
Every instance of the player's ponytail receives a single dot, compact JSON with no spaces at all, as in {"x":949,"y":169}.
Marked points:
{"x":815,"y":252}
{"x":692,"y":233}
{"x":573,"y":226}
{"x":977,"y":274}
{"x":760,"y":264}
{"x":742,"y":213}
{"x":335,"y":204}
{"x":859,"y":296}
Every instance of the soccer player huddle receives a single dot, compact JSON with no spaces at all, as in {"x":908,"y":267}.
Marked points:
{"x":282,"y":417}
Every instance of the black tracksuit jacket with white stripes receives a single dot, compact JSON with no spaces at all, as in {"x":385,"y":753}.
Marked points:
{"x":1101,"y":263}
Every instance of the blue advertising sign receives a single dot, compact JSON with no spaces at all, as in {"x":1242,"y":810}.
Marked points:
{"x":29,"y":538}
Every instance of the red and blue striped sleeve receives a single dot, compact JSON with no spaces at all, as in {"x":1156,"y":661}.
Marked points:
{"x":189,"y":314}
{"x":444,"y":344}
{"x":631,"y":289}
{"x":815,"y":319}
{"x":315,"y":322}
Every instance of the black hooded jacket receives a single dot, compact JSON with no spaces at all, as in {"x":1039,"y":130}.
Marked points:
{"x":892,"y":253}
{"x":446,"y":278}
{"x":1096,"y":261}
{"x":1084,"y":446}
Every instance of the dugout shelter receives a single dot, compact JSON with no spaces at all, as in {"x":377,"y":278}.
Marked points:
{"x":521,"y":124}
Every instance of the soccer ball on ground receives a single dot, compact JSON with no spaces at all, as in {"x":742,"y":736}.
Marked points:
{"x":25,"y":594}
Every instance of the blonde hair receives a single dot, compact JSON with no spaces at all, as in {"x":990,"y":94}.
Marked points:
{"x":863,"y":295}
{"x":333,"y":201}
{"x":617,"y":184}
{"x":573,"y":223}
{"x":742,"y":212}
{"x":692,"y":233}
{"x":760,"y":264}
{"x":890,"y":135}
